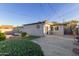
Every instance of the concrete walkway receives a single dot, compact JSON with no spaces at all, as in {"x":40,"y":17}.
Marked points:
{"x":53,"y":45}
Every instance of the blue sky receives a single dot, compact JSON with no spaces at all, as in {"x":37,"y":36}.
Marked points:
{"x":18,"y":14}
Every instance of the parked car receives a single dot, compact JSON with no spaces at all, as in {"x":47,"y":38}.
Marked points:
{"x":16,"y":34}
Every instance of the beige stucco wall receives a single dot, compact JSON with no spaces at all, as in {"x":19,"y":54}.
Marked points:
{"x":33,"y":30}
{"x":44,"y":29}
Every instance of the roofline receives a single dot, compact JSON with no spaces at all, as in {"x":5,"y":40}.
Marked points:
{"x":34,"y":23}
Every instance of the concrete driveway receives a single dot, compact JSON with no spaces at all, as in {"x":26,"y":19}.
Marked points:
{"x":53,"y":45}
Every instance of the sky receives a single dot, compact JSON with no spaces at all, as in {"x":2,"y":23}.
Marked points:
{"x":24,"y":13}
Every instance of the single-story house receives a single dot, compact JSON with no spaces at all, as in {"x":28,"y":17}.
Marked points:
{"x":42,"y":28}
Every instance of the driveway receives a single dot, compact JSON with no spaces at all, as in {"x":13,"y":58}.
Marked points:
{"x":53,"y":45}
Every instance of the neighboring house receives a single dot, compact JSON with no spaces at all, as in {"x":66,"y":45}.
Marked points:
{"x":69,"y":27}
{"x":66,"y":28}
{"x":42,"y":28}
{"x":6,"y":28}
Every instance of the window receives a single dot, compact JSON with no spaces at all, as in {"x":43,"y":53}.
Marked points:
{"x":51,"y":28}
{"x":57,"y":28}
{"x":37,"y":26}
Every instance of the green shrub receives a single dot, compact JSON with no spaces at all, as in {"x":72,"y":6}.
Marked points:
{"x":2,"y":36}
{"x":23,"y":34}
{"x":20,"y":48}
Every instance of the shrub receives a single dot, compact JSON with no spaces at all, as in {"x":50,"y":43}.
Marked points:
{"x":20,"y":48}
{"x":23,"y":34}
{"x":31,"y":37}
{"x":2,"y":36}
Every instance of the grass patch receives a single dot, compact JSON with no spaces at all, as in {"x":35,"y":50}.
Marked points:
{"x":31,"y":37}
{"x":20,"y":48}
{"x":23,"y":38}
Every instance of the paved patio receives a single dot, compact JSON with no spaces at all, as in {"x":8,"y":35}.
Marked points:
{"x":53,"y":45}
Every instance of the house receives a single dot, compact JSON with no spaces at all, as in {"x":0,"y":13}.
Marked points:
{"x":37,"y":29}
{"x":47,"y":28}
{"x":6,"y":28}
{"x":69,"y":27}
{"x":42,"y":28}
